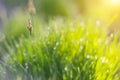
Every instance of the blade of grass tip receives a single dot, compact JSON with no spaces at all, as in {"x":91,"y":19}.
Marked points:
{"x":32,"y":19}
{"x":116,"y":69}
{"x":46,"y":47}
{"x":3,"y":63}
{"x":8,"y":47}
{"x":112,"y":19}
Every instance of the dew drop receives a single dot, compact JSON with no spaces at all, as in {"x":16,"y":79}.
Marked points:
{"x":111,"y":35}
{"x":54,"y":48}
{"x":98,"y":22}
{"x":104,"y":60}
{"x":66,"y":68}
{"x":57,"y":43}
{"x":82,"y":24}
{"x":82,"y":39}
{"x":88,"y":56}
{"x":81,"y":47}
{"x":96,"y":57}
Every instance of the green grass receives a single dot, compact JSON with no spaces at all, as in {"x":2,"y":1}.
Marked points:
{"x":64,"y":50}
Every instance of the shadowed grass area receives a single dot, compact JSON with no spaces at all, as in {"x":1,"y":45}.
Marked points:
{"x":64,"y":50}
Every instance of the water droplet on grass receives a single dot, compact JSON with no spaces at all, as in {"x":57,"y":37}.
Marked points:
{"x":110,"y":65}
{"x":66,"y":68}
{"x":108,"y":71}
{"x":24,"y":54}
{"x":81,"y":39}
{"x":111,"y":35}
{"x":104,"y":60}
{"x":54,"y":48}
{"x":88,"y":56}
{"x":99,"y":40}
{"x":82,"y":24}
{"x":48,"y":28}
{"x":81,"y":47}
{"x":26,"y":65}
{"x":57,"y":43}
{"x":17,"y":45}
{"x":48,"y":42}
{"x":92,"y":63}
{"x":98,"y":23}
{"x":106,"y":41}
{"x":96,"y":57}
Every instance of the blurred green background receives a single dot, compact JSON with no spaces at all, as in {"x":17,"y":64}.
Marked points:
{"x":101,"y":11}
{"x":94,"y":8}
{"x":69,"y":38}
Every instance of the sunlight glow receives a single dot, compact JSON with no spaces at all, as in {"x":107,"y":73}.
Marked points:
{"x":114,"y":2}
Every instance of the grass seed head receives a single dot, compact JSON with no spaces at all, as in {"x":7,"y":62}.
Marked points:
{"x":31,"y":7}
{"x":29,"y":25}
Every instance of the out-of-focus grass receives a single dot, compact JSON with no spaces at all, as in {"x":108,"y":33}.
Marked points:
{"x":46,"y":8}
{"x":16,"y":26}
{"x":64,"y":50}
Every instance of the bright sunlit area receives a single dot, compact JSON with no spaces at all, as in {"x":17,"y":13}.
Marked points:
{"x":59,"y":39}
{"x":115,"y":2}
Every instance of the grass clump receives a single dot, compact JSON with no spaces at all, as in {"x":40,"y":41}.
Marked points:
{"x":65,"y":50}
